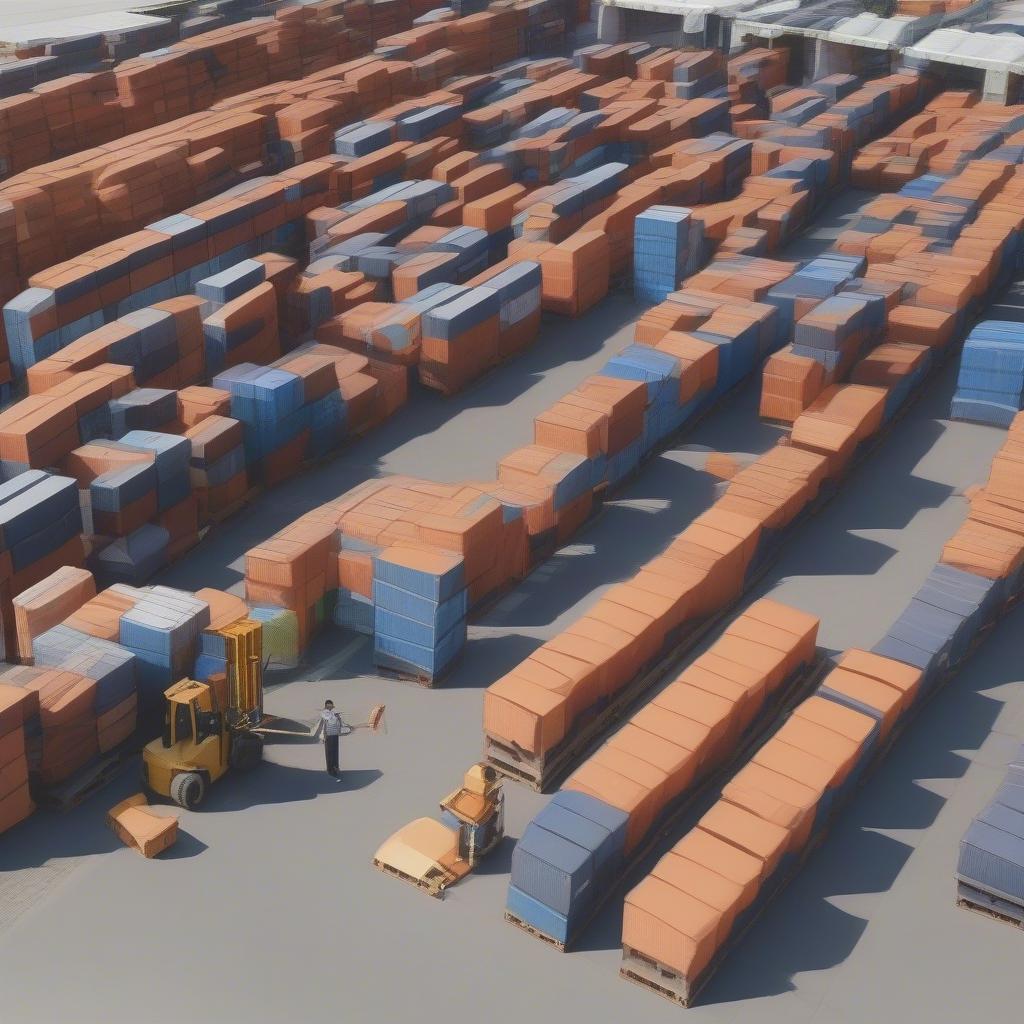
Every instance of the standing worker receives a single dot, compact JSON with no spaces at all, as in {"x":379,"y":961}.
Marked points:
{"x":332,"y":726}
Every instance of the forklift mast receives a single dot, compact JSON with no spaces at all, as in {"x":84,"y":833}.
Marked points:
{"x":244,"y":641}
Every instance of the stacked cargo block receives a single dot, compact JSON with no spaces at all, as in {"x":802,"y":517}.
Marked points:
{"x":420,"y":604}
{"x":40,"y":530}
{"x":18,"y":707}
{"x":990,"y":384}
{"x":162,"y":632}
{"x":660,"y":252}
{"x":659,"y":758}
{"x":990,"y":867}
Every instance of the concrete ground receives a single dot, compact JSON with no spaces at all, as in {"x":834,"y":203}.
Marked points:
{"x":268,"y":909}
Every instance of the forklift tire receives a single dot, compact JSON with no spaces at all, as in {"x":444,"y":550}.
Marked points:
{"x":188,"y":790}
{"x":246,"y":751}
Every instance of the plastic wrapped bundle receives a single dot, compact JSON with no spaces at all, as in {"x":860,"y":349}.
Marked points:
{"x":990,"y":868}
{"x":420,"y":605}
{"x":49,"y":602}
{"x":171,"y":458}
{"x":142,"y":409}
{"x":518,"y":286}
{"x":39,"y":515}
{"x":390,"y":329}
{"x":460,"y":340}
{"x":990,"y":384}
{"x":937,"y":629}
{"x":269,"y":402}
{"x":231,"y":283}
{"x":660,"y":251}
{"x":359,"y":139}
{"x":576,"y":842}
{"x":162,"y":630}
{"x":471,"y":246}
{"x":66,"y":740}
{"x":18,"y":707}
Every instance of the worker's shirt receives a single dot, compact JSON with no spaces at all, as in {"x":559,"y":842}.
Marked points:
{"x":332,"y":723}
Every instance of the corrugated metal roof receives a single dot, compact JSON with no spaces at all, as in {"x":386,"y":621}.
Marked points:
{"x":974,"y":49}
{"x":71,"y":27}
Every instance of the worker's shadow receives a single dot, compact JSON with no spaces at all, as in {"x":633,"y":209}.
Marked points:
{"x":284,"y":784}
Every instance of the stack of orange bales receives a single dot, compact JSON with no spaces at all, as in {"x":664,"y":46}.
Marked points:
{"x":955,"y":128}
{"x":692,"y":905}
{"x":18,"y":707}
{"x":663,"y":754}
{"x":50,"y":601}
{"x":990,"y":543}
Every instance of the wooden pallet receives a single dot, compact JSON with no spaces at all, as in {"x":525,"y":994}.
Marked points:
{"x":419,"y":678}
{"x":656,"y":977}
{"x":530,"y":930}
{"x":989,"y":906}
{"x":90,"y":780}
{"x":435,"y":888}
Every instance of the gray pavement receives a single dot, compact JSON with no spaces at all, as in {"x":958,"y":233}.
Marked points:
{"x":269,"y":909}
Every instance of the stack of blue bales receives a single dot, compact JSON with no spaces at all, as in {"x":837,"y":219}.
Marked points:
{"x":269,"y":402}
{"x":990,"y":868}
{"x":570,"y":853}
{"x":990,"y":384}
{"x":113,"y":668}
{"x":39,"y":514}
{"x":231,"y":283}
{"x":363,"y":138}
{"x":420,"y":605}
{"x":418,"y":125}
{"x":162,"y":632}
{"x":935,"y":631}
{"x":661,"y":373}
{"x":820,"y":278}
{"x":171,"y":454}
{"x":135,"y":557}
{"x":660,"y":251}
{"x":153,"y":347}
{"x":812,"y":172}
{"x":924,"y":186}
{"x":838,"y":328}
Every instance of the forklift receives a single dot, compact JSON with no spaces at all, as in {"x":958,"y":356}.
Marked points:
{"x":217,"y":725}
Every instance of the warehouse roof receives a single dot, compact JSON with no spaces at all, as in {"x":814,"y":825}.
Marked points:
{"x":997,"y":50}
{"x":48,"y":20}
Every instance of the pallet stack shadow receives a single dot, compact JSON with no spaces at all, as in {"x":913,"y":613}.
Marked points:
{"x":990,"y":868}
{"x":627,"y":793}
{"x":681,"y":921}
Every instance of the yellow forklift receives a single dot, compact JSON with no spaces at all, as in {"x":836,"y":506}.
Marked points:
{"x":219,"y":724}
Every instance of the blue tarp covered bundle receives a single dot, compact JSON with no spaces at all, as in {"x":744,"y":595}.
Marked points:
{"x":991,"y":857}
{"x":569,"y":855}
{"x":990,"y":384}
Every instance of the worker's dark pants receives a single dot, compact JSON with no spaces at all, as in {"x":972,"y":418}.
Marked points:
{"x":331,"y":753}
